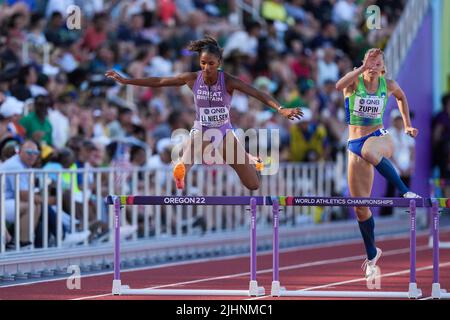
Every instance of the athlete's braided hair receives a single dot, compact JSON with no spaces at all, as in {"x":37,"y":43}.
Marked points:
{"x":208,"y":44}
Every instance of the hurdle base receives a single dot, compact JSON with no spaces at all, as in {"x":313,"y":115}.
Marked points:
{"x":344,"y":294}
{"x":117,"y":287}
{"x":414,"y":292}
{"x":276,"y":289}
{"x":125,"y":290}
{"x":254,"y":290}
{"x":442,"y":244}
{"x":438,"y":293}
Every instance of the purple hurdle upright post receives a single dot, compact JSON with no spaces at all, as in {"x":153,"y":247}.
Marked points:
{"x":275,"y":291}
{"x":253,"y":244}
{"x":254,"y":290}
{"x":116,"y":282}
{"x":436,"y":291}
{"x":413,"y":292}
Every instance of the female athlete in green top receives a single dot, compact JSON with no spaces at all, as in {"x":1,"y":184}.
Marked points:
{"x":366,"y":91}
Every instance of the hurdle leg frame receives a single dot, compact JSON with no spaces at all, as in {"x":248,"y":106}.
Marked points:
{"x":436,"y":291}
{"x":413,"y":291}
{"x":119,"y":289}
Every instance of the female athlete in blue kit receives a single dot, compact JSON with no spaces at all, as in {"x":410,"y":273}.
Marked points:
{"x":366,"y":92}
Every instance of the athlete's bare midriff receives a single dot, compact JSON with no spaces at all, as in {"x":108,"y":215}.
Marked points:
{"x":355,"y":132}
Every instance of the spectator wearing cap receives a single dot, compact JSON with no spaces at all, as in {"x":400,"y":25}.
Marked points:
{"x":403,"y":157}
{"x":308,"y":140}
{"x":11,"y":110}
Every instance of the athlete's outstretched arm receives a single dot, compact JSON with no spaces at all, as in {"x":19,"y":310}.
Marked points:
{"x":176,"y":81}
{"x":235,"y":83}
{"x":403,"y":106}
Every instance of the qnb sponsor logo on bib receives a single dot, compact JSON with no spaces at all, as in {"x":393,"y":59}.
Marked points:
{"x":214,"y":117}
{"x":368,"y":107}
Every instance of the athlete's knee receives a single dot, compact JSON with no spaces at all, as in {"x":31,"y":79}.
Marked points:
{"x":371,"y":156}
{"x":362,"y":213}
{"x":253,"y":185}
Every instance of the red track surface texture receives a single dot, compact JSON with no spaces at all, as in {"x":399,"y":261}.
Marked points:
{"x":326,"y":267}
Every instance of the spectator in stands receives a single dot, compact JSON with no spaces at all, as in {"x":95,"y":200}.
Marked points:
{"x":327,"y":67}
{"x":160,"y":160}
{"x":441,"y":139}
{"x":25,"y":158}
{"x":36,"y":35}
{"x":134,"y":30}
{"x":274,"y":10}
{"x":175,"y":121}
{"x":56,"y":31}
{"x":37,"y":124}
{"x":58,"y":118}
{"x":11,"y":110}
{"x":96,"y":35}
{"x":26,"y":78}
{"x":344,"y":13}
{"x":288,"y":48}
{"x":123,"y":126}
{"x":308,"y":139}
{"x":4,"y":127}
{"x":244,"y":41}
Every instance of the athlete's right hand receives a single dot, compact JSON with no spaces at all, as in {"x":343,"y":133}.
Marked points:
{"x":115,"y":76}
{"x":370,"y":61}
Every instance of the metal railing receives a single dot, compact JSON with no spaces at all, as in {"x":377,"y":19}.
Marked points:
{"x":404,"y":34}
{"x":64,"y":208}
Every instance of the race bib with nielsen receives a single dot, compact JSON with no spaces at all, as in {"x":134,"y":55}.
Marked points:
{"x":214,"y":116}
{"x":368,"y":107}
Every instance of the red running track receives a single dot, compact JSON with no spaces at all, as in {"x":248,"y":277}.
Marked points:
{"x":323,"y":267}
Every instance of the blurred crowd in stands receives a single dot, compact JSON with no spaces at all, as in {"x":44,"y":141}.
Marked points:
{"x":53,"y":90}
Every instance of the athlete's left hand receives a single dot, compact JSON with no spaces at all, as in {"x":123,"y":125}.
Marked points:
{"x":291,"y":113}
{"x":412,"y":132}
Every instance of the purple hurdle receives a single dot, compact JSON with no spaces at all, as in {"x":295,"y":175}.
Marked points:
{"x":436,"y":291}
{"x":119,"y":201}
